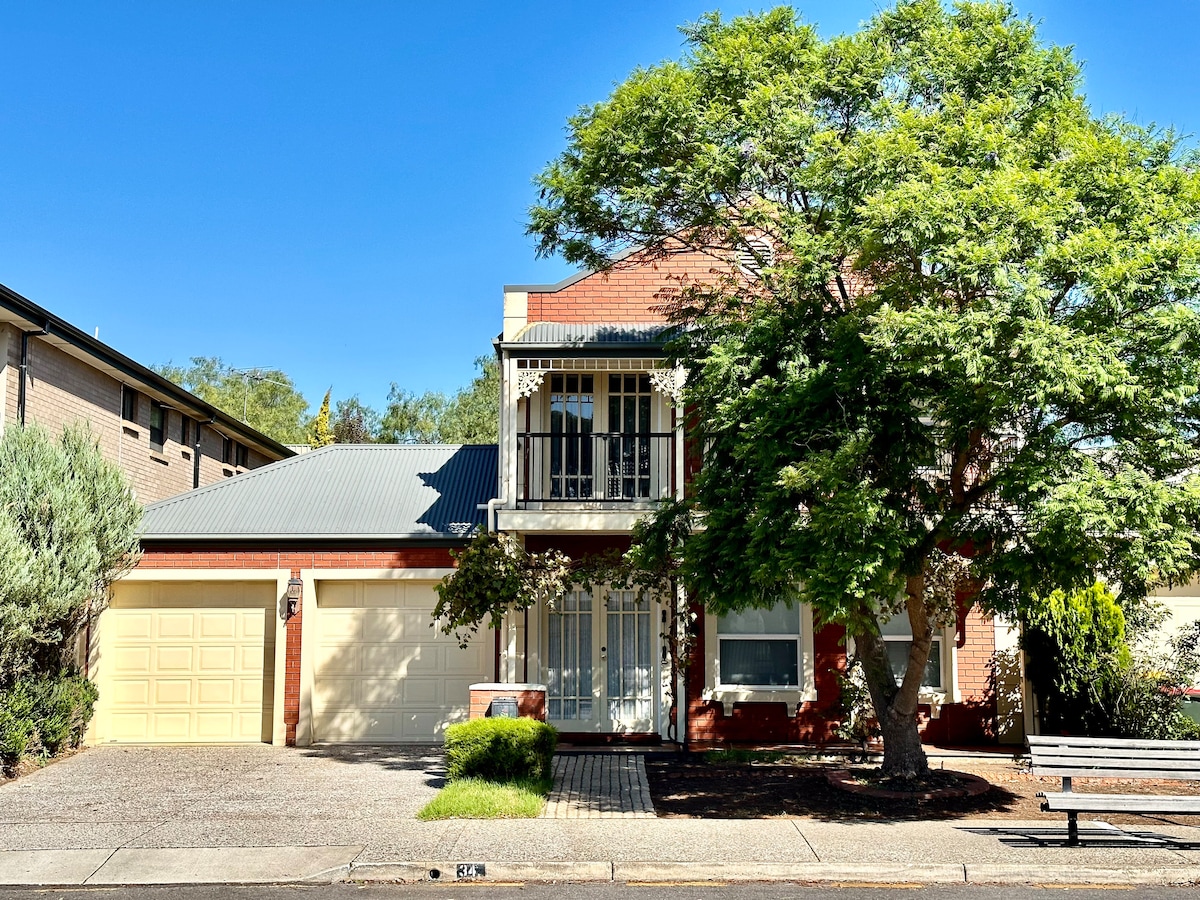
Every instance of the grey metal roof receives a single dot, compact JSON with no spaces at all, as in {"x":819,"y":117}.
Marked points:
{"x":558,"y":334}
{"x":342,"y":491}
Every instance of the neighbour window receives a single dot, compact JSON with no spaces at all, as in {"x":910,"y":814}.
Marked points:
{"x":185,"y":431}
{"x":897,"y":636}
{"x":158,"y":424}
{"x":760,"y":648}
{"x":129,"y":404}
{"x":227,"y":451}
{"x":243,"y":456}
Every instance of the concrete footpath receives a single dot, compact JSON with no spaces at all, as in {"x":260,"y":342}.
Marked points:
{"x":155,"y":816}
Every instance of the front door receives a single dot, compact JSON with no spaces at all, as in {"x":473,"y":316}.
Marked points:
{"x":602,"y":669}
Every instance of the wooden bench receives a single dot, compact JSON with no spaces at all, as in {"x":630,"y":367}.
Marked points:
{"x":1079,"y":757}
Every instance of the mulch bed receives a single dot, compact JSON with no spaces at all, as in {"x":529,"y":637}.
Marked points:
{"x":689,"y":787}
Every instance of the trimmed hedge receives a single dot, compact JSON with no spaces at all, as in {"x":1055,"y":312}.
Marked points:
{"x":44,"y":715}
{"x":500,"y":749}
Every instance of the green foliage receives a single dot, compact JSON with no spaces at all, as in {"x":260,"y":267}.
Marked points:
{"x":1090,"y":681}
{"x":1147,"y":693}
{"x":471,"y":416}
{"x":857,"y":722}
{"x":69,"y":526}
{"x":976,"y":329}
{"x":500,"y":749}
{"x":478,"y":798}
{"x":43,"y":715}
{"x":320,"y":434}
{"x":1075,"y":652}
{"x":265,"y":399}
{"x":493,"y":575}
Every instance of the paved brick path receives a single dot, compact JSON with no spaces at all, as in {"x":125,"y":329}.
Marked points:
{"x":599,"y":786}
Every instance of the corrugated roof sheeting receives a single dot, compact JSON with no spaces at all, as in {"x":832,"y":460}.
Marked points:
{"x":558,"y":333}
{"x":340,"y":491}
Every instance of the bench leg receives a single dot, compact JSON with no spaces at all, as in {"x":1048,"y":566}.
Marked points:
{"x":1072,"y":829}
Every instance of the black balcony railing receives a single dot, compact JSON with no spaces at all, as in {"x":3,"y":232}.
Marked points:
{"x":600,"y":467}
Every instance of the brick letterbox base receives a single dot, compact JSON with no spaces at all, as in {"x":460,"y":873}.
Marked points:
{"x":531,"y":699}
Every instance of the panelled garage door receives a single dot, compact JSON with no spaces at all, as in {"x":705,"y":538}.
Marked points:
{"x":381,"y":673}
{"x":187,"y":662}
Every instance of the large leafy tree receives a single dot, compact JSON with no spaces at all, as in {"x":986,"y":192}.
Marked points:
{"x":265,"y":399}
{"x":962,"y":351}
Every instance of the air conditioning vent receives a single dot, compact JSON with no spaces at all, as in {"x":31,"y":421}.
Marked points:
{"x":757,"y":253}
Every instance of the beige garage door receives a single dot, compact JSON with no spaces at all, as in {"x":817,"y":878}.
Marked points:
{"x":187,"y":663}
{"x":381,"y":673}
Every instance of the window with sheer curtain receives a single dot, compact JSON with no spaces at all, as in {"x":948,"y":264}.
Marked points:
{"x":760,"y":648}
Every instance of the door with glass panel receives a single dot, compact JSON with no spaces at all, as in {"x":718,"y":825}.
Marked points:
{"x":572,"y":409}
{"x":628,"y":468}
{"x":602,"y":668}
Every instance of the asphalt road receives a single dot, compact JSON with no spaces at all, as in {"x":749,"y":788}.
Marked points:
{"x":493,"y":891}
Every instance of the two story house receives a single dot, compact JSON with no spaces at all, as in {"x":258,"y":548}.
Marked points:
{"x":590,"y":437}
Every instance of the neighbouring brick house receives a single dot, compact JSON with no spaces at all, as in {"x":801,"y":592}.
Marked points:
{"x":164,"y":438}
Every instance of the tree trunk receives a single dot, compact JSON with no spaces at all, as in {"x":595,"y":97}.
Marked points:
{"x":896,"y":704}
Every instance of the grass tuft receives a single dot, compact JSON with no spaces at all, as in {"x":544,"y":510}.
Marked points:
{"x":478,"y":798}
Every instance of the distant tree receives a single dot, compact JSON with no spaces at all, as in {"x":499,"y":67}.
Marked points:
{"x":355,"y":423}
{"x":265,"y":399}
{"x":473,"y":415}
{"x":320,"y":434}
{"x":412,"y":419}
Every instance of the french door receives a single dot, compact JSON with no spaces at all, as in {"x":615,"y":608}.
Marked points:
{"x":602,"y":663}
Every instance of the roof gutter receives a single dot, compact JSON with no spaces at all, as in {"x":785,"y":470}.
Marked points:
{"x":69,"y":334}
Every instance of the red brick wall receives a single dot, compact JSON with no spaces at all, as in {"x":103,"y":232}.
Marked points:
{"x":969,"y":723}
{"x":167,"y":557}
{"x":632,"y":291}
{"x":768,"y":723}
{"x":529,"y":703}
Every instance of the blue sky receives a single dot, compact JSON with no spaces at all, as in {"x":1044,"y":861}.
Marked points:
{"x":339,"y":189}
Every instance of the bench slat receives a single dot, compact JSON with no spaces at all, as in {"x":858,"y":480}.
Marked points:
{"x":1106,"y":754}
{"x":1161,"y":774}
{"x":1047,"y":740}
{"x":1054,"y":764}
{"x":1135,"y":803}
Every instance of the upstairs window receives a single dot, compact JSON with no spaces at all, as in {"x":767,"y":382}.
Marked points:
{"x":158,"y":425}
{"x":242,"y":455}
{"x":185,"y":431}
{"x":129,"y":404}
{"x":760,"y":648}
{"x":227,"y":451}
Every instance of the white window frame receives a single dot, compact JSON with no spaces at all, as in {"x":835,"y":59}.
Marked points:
{"x":929,"y":695}
{"x":729,"y":694}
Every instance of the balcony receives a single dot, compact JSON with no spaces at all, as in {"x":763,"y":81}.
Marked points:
{"x":594,"y":469}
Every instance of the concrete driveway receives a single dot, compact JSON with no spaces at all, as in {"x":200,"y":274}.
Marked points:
{"x":237,"y":796}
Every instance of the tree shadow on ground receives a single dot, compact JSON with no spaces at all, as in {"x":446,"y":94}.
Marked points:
{"x":700,"y":790}
{"x":427,"y":758}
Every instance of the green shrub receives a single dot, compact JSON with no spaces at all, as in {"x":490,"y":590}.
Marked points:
{"x":1077,"y":658}
{"x":44,"y":715}
{"x":500,"y":749}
